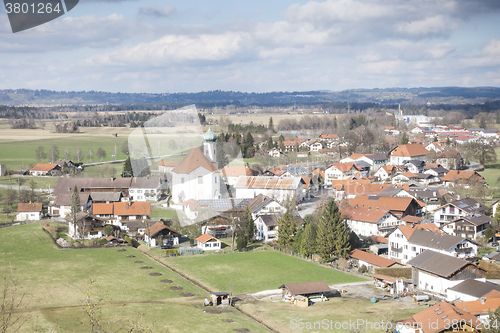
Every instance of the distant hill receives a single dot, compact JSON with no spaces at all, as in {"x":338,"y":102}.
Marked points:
{"x":414,"y":96}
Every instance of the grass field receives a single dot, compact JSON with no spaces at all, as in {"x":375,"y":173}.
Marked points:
{"x":254,"y":271}
{"x":492,"y":172}
{"x":54,"y":283}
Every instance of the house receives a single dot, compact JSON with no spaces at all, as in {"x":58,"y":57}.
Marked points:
{"x":471,"y":290}
{"x":400,"y":207}
{"x":267,"y":227}
{"x":436,"y":147}
{"x":146,"y":188}
{"x":457,"y":209}
{"x":385,"y":172}
{"x":462,"y":177}
{"x":436,"y":272}
{"x":450,"y":159}
{"x":231,"y":173}
{"x":195,"y":177}
{"x":414,"y":166}
{"x":207,"y":242}
{"x":408,"y":152}
{"x":468,"y":226}
{"x":280,"y":189}
{"x":340,"y":171}
{"x":106,"y":197}
{"x":350,"y":188}
{"x":365,"y":221}
{"x":398,"y":240}
{"x":87,"y":226}
{"x":29,"y":212}
{"x":275,"y":152}
{"x":159,"y":234}
{"x":454,"y":246}
{"x":437,"y":319}
{"x":404,"y":178}
{"x":62,"y":204}
{"x":120,"y":213}
{"x":264,"y":205}
{"x":307,"y":289}
{"x":372,"y":261}
{"x":314,"y":145}
{"x":44,"y":170}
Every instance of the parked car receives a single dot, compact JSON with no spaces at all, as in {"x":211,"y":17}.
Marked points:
{"x":167,"y":246}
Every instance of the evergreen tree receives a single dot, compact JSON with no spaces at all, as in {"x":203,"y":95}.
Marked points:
{"x":271,"y":125}
{"x":404,"y":139}
{"x":332,"y":237}
{"x":249,"y":225}
{"x":335,"y":122}
{"x":308,"y":242}
{"x":297,"y":240}
{"x":75,"y":207}
{"x":270,"y":143}
{"x":127,"y":168}
{"x":286,"y":230}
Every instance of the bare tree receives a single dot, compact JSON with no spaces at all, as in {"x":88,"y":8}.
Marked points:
{"x":12,"y":300}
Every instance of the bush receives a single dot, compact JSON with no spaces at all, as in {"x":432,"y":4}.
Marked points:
{"x":102,"y":242}
{"x":363,"y":269}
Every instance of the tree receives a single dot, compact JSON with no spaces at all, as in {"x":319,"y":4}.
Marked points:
{"x":78,"y":155}
{"x":332,"y":237}
{"x":125,"y":149}
{"x":40,"y":154}
{"x":335,"y":123}
{"x":488,"y":233}
{"x":54,"y":153}
{"x":286,"y":230}
{"x":108,"y":231}
{"x":75,"y":207}
{"x":404,"y":139}
{"x":11,"y":301}
{"x":481,"y":151}
{"x":245,"y":230}
{"x":127,"y":168}
{"x":270,"y":143}
{"x":308,"y":242}
{"x":101,"y":153}
{"x":91,"y":155}
{"x":271,"y":126}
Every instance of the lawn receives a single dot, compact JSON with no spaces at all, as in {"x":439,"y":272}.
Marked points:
{"x":491,"y":172}
{"x":283,"y":317}
{"x":254,"y":271}
{"x":54,"y":283}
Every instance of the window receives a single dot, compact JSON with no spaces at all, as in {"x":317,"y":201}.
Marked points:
{"x":413,"y":248}
{"x":182,"y":180}
{"x":200,"y":179}
{"x":452,"y":210}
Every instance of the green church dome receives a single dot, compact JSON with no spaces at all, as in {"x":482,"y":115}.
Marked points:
{"x":210,"y":135}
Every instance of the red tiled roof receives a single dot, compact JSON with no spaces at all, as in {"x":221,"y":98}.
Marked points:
{"x":205,"y":238}
{"x":410,"y":150}
{"x":454,"y":175}
{"x":157,"y":227}
{"x":236,"y":171}
{"x":102,"y":208}
{"x":437,"y":317}
{"x":29,"y":207}
{"x":44,"y":167}
{"x":409,"y":229}
{"x":131,"y":208}
{"x":364,"y":214}
{"x":345,"y":167}
{"x":372,"y":258}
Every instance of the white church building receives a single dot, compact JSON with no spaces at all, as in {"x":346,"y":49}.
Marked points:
{"x":196,"y":176}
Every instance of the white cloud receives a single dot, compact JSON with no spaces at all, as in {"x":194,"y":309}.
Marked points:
{"x":438,"y":25}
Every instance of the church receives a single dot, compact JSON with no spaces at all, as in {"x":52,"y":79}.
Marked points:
{"x":197,"y":176}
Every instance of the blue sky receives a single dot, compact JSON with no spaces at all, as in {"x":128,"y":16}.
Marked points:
{"x":256,"y":46}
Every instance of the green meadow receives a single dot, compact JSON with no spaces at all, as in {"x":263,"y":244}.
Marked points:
{"x":254,"y":271}
{"x":133,"y":288}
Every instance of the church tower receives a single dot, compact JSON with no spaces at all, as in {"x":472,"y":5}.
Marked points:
{"x":210,"y":146}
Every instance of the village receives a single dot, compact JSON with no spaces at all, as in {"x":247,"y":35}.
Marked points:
{"x":405,"y":210}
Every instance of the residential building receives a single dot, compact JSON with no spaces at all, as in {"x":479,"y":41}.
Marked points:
{"x":264,"y":205}
{"x":159,"y":234}
{"x":146,"y":188}
{"x":275,"y":152}
{"x":61,"y":206}
{"x":468,"y":226}
{"x":398,"y":240}
{"x":457,"y":209}
{"x":386,"y":172}
{"x":462,"y":177}
{"x":267,"y":227}
{"x":29,"y":212}
{"x":471,"y":290}
{"x":120,"y":213}
{"x":404,"y":153}
{"x":372,"y":261}
{"x":340,"y":171}
{"x":44,"y":170}
{"x":87,"y":226}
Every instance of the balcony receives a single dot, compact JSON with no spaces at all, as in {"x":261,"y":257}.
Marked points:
{"x":397,"y":249}
{"x":464,"y":250}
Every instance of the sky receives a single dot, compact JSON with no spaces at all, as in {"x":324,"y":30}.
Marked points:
{"x":256,"y":46}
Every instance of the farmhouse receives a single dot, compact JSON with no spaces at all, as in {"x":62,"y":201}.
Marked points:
{"x":436,"y":272}
{"x":87,"y":226}
{"x":29,"y":212}
{"x":308,"y":289}
{"x":207,"y":242}
{"x":44,"y":169}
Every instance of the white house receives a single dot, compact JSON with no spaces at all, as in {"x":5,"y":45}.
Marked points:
{"x":62,"y":204}
{"x":408,"y":152}
{"x":366,"y":221}
{"x":195,"y":177}
{"x":29,"y":212}
{"x":471,"y":290}
{"x":420,"y":239}
{"x":87,"y":226}
{"x":457,"y":209}
{"x":385,"y":172}
{"x":120,"y":213}
{"x":207,"y":242}
{"x":275,"y":152}
{"x":267,"y":227}
{"x":340,"y":171}
{"x":468,"y":226}
{"x":44,"y":170}
{"x":145,"y":188}
{"x":264,"y":205}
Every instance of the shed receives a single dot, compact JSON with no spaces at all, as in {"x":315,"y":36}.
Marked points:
{"x":314,"y":290}
{"x":220,"y":298}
